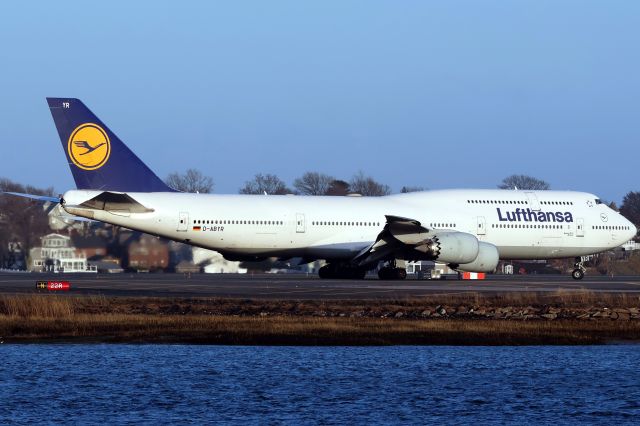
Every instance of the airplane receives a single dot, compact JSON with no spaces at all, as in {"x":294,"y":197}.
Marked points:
{"x":468,"y":229}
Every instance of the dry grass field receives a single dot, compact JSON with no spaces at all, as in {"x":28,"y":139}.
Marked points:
{"x":475,"y":319}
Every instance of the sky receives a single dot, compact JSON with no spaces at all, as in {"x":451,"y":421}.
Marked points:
{"x":438,"y":94}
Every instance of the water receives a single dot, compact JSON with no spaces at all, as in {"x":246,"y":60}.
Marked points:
{"x":89,"y":384}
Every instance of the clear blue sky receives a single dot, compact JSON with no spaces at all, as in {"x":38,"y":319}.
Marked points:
{"x":437,"y":94}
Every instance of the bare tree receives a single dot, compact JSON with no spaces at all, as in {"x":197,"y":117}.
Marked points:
{"x":338,"y":187}
{"x":630,"y":208}
{"x":367,"y":186}
{"x":406,"y":189}
{"x":21,"y":219}
{"x":523,"y":182}
{"x":191,"y":181}
{"x":268,"y":183}
{"x":313,"y":183}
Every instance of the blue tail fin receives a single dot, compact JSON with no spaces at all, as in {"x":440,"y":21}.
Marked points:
{"x":98,"y":159}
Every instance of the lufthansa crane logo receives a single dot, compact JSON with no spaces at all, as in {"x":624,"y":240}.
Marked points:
{"x":89,"y":146}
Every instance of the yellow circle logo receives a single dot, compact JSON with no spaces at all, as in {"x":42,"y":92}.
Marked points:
{"x":89,"y":146}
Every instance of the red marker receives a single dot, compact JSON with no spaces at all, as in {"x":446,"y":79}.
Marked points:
{"x":54,"y":285}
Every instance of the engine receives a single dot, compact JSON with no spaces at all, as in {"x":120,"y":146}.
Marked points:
{"x":451,"y":247}
{"x":486,"y":261}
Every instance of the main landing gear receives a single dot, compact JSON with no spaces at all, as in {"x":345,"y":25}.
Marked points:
{"x":347,"y":271}
{"x":342,"y":271}
{"x":579,"y":269}
{"x":392,"y":272}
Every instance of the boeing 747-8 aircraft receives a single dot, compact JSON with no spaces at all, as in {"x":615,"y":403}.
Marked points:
{"x":469,"y":229}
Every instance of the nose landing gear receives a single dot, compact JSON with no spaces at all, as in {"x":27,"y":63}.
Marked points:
{"x":579,"y":269}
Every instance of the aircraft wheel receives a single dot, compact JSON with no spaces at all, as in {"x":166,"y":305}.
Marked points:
{"x":577,"y":274}
{"x":360,"y":274}
{"x":388,"y":273}
{"x":332,"y":271}
{"x":326,"y":272}
{"x":385,"y":273}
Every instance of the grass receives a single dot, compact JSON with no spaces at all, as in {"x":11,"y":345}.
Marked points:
{"x":68,"y":318}
{"x":280,"y":330}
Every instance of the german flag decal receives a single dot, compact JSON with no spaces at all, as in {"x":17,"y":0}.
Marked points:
{"x":197,"y":228}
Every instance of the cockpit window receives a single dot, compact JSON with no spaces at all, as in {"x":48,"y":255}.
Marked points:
{"x":598,"y":201}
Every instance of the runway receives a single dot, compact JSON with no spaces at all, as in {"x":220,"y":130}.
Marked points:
{"x":302,"y":287}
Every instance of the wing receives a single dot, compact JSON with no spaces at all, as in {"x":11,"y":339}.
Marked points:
{"x":404,"y":238}
{"x":400,"y":236}
{"x":82,"y":144}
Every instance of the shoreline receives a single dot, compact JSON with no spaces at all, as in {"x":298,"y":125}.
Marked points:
{"x":466,"y":319}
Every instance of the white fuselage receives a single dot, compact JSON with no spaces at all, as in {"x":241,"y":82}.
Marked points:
{"x":521,"y":224}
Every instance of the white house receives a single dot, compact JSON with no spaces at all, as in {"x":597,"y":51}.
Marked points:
{"x":214,"y":263}
{"x":631,"y":246}
{"x":57,"y":255}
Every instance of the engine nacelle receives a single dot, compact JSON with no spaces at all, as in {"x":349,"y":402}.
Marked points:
{"x":486,"y":261}
{"x":451,"y":247}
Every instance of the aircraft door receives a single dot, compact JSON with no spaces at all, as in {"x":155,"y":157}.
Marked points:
{"x":183,"y":221}
{"x":580,"y":227}
{"x":300,"y":225}
{"x":481,"y":228}
{"x":533,"y":201}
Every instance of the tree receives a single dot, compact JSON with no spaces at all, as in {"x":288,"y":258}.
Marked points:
{"x":313,"y":183}
{"x":21,"y":219}
{"x":630,"y":207}
{"x":523,"y":182}
{"x":338,"y":187}
{"x":367,"y":186}
{"x":406,"y":189}
{"x":268,"y":183}
{"x":191,"y":181}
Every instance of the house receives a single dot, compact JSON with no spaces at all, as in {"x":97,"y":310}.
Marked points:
{"x":187,"y":267}
{"x":631,"y":246}
{"x":14,"y":258}
{"x":90,"y":246}
{"x":214,"y":263}
{"x":148,"y":253}
{"x":105,"y":266}
{"x":57,"y":254}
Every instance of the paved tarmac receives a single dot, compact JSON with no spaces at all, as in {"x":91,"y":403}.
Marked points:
{"x":297,"y":287}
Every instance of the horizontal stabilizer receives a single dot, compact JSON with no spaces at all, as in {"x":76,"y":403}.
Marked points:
{"x":59,"y":213}
{"x":43,"y":198}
